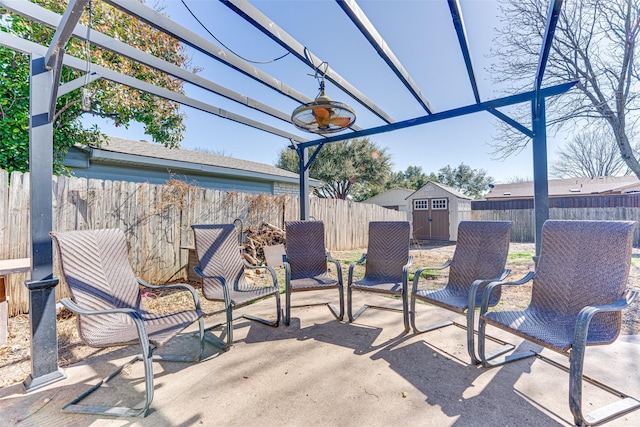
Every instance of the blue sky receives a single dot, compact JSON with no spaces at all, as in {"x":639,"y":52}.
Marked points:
{"x":421,"y":35}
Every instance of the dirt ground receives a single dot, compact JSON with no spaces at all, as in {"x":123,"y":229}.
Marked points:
{"x":14,"y":356}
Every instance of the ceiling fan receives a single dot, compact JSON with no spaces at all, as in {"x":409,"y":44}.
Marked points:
{"x":323,"y":115}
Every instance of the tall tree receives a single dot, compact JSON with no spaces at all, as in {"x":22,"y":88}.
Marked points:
{"x":471,"y":182}
{"x":589,"y":154}
{"x":343,"y":166}
{"x":161,"y":118}
{"x":413,"y":178}
{"x":596,"y":43}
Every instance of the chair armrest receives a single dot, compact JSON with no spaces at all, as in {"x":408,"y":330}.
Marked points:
{"x":73,"y":306}
{"x":137,"y":318}
{"x":337,"y":264}
{"x":418,"y":273}
{"x":186,"y":287}
{"x":622,"y":303}
{"x":473,"y":289}
{"x":274,"y":277}
{"x":352,"y":266}
{"x":486,"y":294}
{"x":200,"y":273}
{"x":584,"y":319}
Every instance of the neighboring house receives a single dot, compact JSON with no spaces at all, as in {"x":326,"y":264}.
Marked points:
{"x":437,"y":210}
{"x":140,"y":161}
{"x":604,"y":185}
{"x":392,"y":199}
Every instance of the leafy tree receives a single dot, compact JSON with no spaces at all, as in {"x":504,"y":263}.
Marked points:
{"x":589,"y":154}
{"x":161,"y":118}
{"x":345,"y":167}
{"x":471,"y":182}
{"x":413,"y":178}
{"x":595,"y":42}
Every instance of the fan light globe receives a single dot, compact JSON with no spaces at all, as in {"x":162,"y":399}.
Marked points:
{"x":323,"y":115}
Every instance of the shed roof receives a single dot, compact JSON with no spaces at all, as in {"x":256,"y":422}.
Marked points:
{"x":402,"y":193}
{"x":443,"y":187}
{"x":568,"y":187}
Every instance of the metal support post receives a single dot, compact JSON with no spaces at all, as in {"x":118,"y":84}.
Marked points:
{"x":42,"y":303}
{"x":540,"y":178}
{"x":303,"y":157}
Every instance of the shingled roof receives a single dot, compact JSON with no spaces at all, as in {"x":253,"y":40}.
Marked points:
{"x":157,"y":151}
{"x":568,"y":187}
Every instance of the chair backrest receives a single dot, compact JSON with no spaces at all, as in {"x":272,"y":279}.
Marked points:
{"x":95,"y":265}
{"x":583,"y":263}
{"x":219,"y":254}
{"x":387,"y":250}
{"x":481,"y":252}
{"x":305,"y":248}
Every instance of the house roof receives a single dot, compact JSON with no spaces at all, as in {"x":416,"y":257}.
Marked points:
{"x":446,"y":188}
{"x":127,"y":151}
{"x":568,"y":187}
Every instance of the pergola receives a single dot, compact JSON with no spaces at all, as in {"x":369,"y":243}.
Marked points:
{"x":45,"y":88}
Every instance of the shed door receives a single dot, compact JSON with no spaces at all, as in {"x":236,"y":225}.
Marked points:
{"x":440,"y":219}
{"x":421,"y":229}
{"x":431,"y":219}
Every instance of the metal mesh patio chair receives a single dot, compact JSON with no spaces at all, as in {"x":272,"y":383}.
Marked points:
{"x":479,"y":258}
{"x":106,"y":297}
{"x":222,"y":268}
{"x":387,"y":266}
{"x":577,"y":297}
{"x":305,"y":265}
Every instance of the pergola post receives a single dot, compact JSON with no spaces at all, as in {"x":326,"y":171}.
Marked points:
{"x":303,"y":158}
{"x":42,"y":297}
{"x":540,"y":179}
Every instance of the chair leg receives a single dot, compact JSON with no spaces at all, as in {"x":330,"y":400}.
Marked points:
{"x":264,"y":321}
{"x":491,"y":359}
{"x":287,"y":307}
{"x":349,"y":303}
{"x":600,"y":415}
{"x":405,"y":309}
{"x":414,"y":326}
{"x":118,"y":411}
{"x":338,"y":314}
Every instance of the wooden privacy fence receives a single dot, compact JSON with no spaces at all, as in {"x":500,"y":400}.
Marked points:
{"x":157,"y":220}
{"x":521,"y":212}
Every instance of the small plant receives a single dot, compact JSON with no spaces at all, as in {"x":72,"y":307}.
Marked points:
{"x":520,"y":257}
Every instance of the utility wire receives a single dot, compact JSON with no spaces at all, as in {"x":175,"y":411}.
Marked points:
{"x":225,"y":46}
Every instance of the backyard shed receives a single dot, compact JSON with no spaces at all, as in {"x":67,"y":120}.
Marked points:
{"x":436,"y":211}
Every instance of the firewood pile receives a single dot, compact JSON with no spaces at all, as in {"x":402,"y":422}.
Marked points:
{"x":256,"y":239}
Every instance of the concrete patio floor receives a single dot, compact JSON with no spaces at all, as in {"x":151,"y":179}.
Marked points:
{"x":319,"y":371}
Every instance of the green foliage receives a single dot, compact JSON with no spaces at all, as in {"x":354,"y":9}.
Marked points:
{"x":412,"y":178}
{"x":345,"y":167}
{"x":520,"y":257}
{"x":161,"y":118}
{"x":471,"y":182}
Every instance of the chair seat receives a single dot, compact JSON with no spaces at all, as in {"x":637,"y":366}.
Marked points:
{"x":121,"y":330}
{"x":240,"y":294}
{"x":383,"y":285}
{"x":321,"y":281}
{"x":452,"y":298}
{"x":533,"y":325}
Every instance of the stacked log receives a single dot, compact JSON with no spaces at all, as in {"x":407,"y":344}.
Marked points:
{"x":256,"y":239}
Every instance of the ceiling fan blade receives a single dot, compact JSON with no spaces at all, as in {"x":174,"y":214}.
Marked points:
{"x":340,"y":121}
